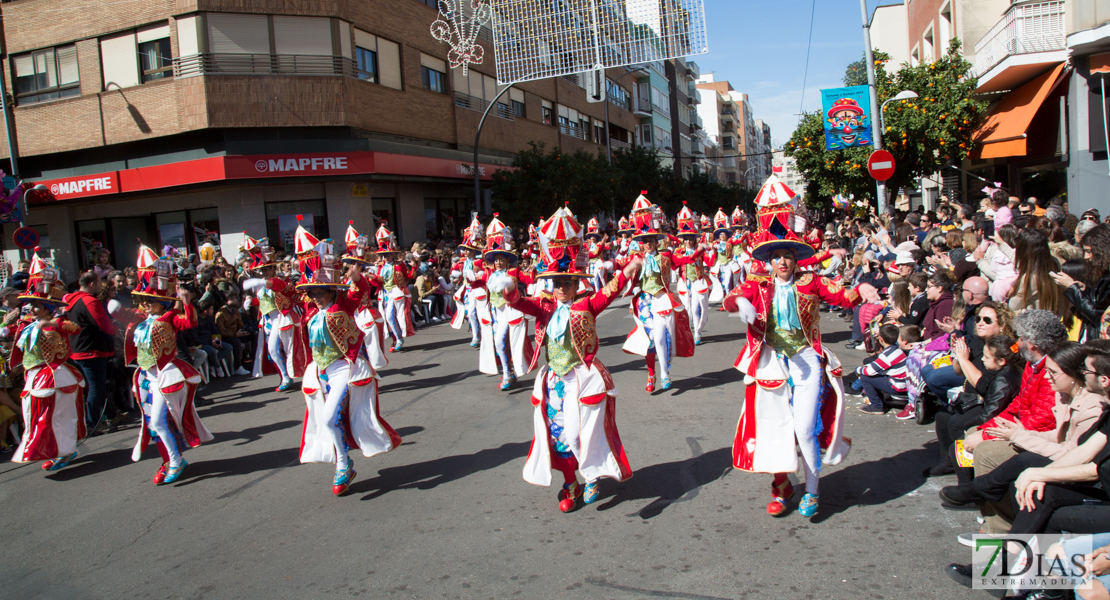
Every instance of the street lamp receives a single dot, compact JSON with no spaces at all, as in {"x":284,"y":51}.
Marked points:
{"x":903,"y":95}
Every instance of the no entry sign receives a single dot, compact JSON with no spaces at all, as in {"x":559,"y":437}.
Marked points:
{"x":25,"y":238}
{"x":881,"y":165}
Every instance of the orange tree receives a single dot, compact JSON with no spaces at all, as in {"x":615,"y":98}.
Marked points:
{"x":923,"y":134}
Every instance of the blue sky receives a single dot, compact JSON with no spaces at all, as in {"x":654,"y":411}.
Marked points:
{"x":759,"y":46}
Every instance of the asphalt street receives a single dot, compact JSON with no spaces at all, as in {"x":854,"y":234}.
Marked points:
{"x":447,"y":514}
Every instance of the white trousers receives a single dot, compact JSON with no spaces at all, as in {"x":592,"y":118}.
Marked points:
{"x":472,"y":317}
{"x":697,"y":305}
{"x":501,"y":339}
{"x":334,"y":380}
{"x":805,"y":373}
{"x":395,"y":317}
{"x":158,"y":410}
{"x":279,"y":344}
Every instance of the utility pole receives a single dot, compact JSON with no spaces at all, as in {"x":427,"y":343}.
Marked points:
{"x":876,"y":130}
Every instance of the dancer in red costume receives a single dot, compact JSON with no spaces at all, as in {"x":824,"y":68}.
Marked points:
{"x":396,"y":277}
{"x":692,"y":260}
{"x":793,"y":384}
{"x":472,"y":298}
{"x":574,"y":427}
{"x":53,"y":396}
{"x":504,"y":328}
{"x":164,"y":385}
{"x":368,"y":318}
{"x":281,"y":339}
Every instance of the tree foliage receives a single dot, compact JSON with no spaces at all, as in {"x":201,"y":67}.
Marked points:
{"x":543,"y":180}
{"x":923,"y":134}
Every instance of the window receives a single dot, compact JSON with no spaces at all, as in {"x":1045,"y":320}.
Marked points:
{"x":155,"y":61}
{"x":46,"y":75}
{"x":517,"y":99}
{"x":366,"y":64}
{"x":618,"y":95}
{"x":281,"y":221}
{"x":377,"y":59}
{"x":727,"y":142}
{"x":599,"y":132}
{"x":433,"y":73}
{"x":645,"y":135}
{"x":547,"y":112}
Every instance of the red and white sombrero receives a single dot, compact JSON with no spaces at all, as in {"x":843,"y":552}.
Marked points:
{"x":560,"y":247}
{"x":773,"y":193}
{"x":686,"y":223}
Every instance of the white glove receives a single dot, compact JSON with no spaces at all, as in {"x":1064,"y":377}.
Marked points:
{"x":499,"y":282}
{"x":254,"y":285}
{"x":745,"y":310}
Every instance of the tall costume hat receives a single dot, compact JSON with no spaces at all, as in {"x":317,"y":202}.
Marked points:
{"x":592,"y":230}
{"x":317,"y":262}
{"x":704,"y":223}
{"x":647,"y":223}
{"x":737,"y":218}
{"x":687,"y":225}
{"x":43,"y":284}
{"x":387,"y":243}
{"x":533,"y":233}
{"x":720,"y":223}
{"x":472,"y":236}
{"x":249,"y":244}
{"x":775,"y":213}
{"x":624,"y":226}
{"x":262,"y":255}
{"x":561,"y":248}
{"x":499,"y":242}
{"x":157,"y":277}
{"x":358,"y":247}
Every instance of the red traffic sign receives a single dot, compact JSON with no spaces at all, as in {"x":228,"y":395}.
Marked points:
{"x":25,"y":238}
{"x":881,"y":165}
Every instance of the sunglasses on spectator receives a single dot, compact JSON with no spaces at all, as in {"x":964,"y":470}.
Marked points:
{"x":1025,"y":212}
{"x":1090,"y":218}
{"x":987,"y":320}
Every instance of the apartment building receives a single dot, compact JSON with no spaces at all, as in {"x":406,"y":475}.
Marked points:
{"x":890,"y":33}
{"x":174,"y":122}
{"x":787,"y":170}
{"x":684,"y":126}
{"x":718,"y":114}
{"x":652,"y":107}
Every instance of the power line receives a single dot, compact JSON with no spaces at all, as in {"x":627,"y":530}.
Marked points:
{"x":809,"y":47}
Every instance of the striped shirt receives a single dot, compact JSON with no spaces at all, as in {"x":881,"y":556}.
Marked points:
{"x":890,"y":363}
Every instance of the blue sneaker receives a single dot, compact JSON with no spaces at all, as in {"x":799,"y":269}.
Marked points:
{"x":591,"y":493}
{"x":285,"y":385}
{"x":475,"y":343}
{"x":697,"y":340}
{"x":506,"y":383}
{"x":174,"y":473}
{"x":343,"y":479}
{"x":666,"y":385}
{"x":60,"y":463}
{"x":808,"y":506}
{"x":400,"y":342}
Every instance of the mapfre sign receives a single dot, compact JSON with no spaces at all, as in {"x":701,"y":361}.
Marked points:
{"x":298,"y":165}
{"x":80,"y":187}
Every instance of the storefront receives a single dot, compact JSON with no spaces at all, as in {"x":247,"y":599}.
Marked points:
{"x":182,"y":205}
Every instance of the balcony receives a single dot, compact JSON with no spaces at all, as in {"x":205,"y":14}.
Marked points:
{"x":694,"y":99}
{"x":616,"y":144}
{"x":573,"y":131}
{"x":642,"y":107}
{"x":262,"y":64}
{"x":477,"y":104}
{"x":1030,"y":37}
{"x":693,"y":71}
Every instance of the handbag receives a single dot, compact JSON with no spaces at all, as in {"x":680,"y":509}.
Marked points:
{"x":965,"y":401}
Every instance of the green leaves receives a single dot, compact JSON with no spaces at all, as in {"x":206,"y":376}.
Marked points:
{"x":923,"y":134}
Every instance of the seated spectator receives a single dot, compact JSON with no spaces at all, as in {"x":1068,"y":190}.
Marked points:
{"x":209,"y":336}
{"x":919,"y":302}
{"x":874,"y":274}
{"x":939,"y":293}
{"x":102,"y":266}
{"x":229,"y":322}
{"x":887,"y":373}
{"x":1057,"y":494}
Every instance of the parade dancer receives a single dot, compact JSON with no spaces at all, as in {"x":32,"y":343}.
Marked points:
{"x":471,"y":299}
{"x":53,"y":396}
{"x":662,"y":324}
{"x":574,"y":424}
{"x":368,"y":318}
{"x":395,"y":276}
{"x":164,"y":385}
{"x":598,"y":247}
{"x":693,"y":283}
{"x":793,"y":384}
{"x":504,"y":330}
{"x":281,"y":328}
{"x":721,"y":272}
{"x":340,"y":386}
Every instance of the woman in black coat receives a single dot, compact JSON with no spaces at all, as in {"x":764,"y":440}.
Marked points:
{"x":1090,"y":298}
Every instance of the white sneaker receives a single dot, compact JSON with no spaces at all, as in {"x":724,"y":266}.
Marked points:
{"x":241,"y":371}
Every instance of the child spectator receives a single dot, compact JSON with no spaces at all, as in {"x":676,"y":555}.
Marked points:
{"x":887,"y":373}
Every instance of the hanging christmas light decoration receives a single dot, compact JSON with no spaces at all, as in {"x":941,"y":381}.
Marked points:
{"x":458,"y":24}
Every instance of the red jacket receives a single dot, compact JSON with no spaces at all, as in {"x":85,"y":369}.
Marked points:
{"x":97,"y":331}
{"x":1033,"y":405}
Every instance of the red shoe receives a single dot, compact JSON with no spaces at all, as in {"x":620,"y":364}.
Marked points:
{"x":780,"y":493}
{"x":568,"y":497}
{"x":650,"y":387}
{"x":907,"y":413}
{"x":160,"y":476}
{"x":47,"y":464}
{"x":777,"y":507}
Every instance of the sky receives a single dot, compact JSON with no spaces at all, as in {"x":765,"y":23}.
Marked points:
{"x":759,"y":46}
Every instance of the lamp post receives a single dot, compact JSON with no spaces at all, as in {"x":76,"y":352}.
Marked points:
{"x":902,"y":95}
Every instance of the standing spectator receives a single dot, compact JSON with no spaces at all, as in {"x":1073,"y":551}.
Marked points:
{"x":209,"y":337}
{"x":1002,"y":213}
{"x":103,"y":266}
{"x":1034,"y":262}
{"x":1090,"y":297}
{"x":19,"y":278}
{"x":229,"y":322}
{"x":92,"y":347}
{"x":965,"y":213}
{"x":9,"y":306}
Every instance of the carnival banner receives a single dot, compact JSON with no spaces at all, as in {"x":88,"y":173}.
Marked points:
{"x":847,"y":113}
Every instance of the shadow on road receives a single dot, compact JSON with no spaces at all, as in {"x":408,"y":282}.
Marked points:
{"x":238,"y":465}
{"x":440,"y":344}
{"x":706,"y":381}
{"x":426,"y":383}
{"x":91,"y":464}
{"x":433,"y":473}
{"x":835,"y":337}
{"x":875,"y":482}
{"x":408,"y":371}
{"x":668,"y":483}
{"x":233,"y":406}
{"x":253,"y":434}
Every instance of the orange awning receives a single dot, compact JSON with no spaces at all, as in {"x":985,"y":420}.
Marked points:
{"x":1004,"y":131}
{"x":1100,"y":63}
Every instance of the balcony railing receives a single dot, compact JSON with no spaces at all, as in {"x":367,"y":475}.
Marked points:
{"x":642,"y":105}
{"x":475,"y":103}
{"x":619,"y":145}
{"x":573,"y":131}
{"x":1026,"y":28}
{"x":262,"y":64}
{"x":623,"y":102}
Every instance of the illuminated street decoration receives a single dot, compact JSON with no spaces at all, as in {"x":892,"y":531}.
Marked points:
{"x":458,"y":24}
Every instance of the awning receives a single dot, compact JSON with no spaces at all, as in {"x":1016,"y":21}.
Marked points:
{"x":1100,"y":63}
{"x":1004,"y":131}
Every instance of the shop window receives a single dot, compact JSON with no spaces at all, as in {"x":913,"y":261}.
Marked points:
{"x":46,"y":75}
{"x":92,"y":236}
{"x":281,"y":221}
{"x":171,"y":232}
{"x":443,"y":219}
{"x":382,"y":209}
